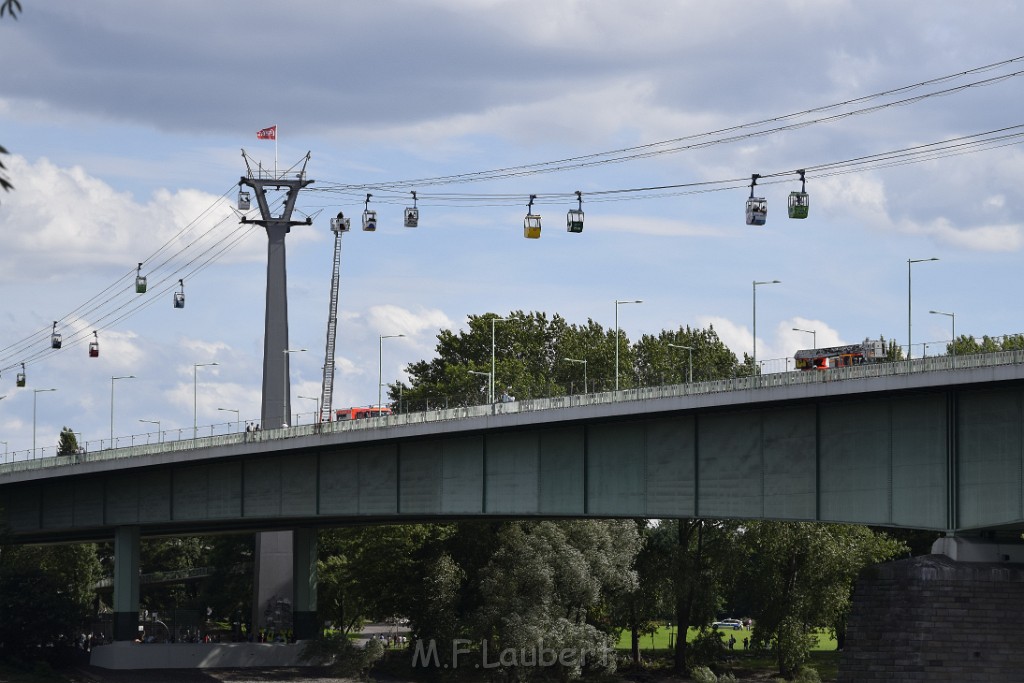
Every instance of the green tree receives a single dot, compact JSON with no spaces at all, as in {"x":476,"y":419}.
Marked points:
{"x":550,"y":585}
{"x":46,"y":597}
{"x":11,"y":7}
{"x":798,"y":577}
{"x":660,"y":360}
{"x":638,"y":610}
{"x":68,"y":443}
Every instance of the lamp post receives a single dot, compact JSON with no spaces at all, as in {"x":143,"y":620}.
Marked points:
{"x":617,"y":302}
{"x":284,"y":385}
{"x":813,"y":333}
{"x":483,"y":374}
{"x":112,"y":405}
{"x":910,"y":262}
{"x":238,"y":417}
{"x":380,"y":364}
{"x":952,"y":317}
{"x":756,"y":283}
{"x":195,"y":410}
{"x":159,"y":433}
{"x":493,"y":321}
{"x":35,"y":393}
{"x":580,"y":360}
{"x":316,"y":401}
{"x":690,"y":349}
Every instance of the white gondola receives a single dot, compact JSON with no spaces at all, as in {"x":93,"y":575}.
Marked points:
{"x":20,"y":381}
{"x":757,"y":207}
{"x":574,"y":219}
{"x":140,"y":281}
{"x":340,"y":224}
{"x":369,"y":216}
{"x":94,"y":346}
{"x":179,"y":296}
{"x":531,"y":225}
{"x":55,"y":339}
{"x":412,"y":214}
{"x":244,"y":200}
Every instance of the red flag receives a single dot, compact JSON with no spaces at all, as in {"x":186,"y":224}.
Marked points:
{"x":267,"y":133}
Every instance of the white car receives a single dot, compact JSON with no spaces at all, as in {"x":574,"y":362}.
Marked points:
{"x":734,"y":624}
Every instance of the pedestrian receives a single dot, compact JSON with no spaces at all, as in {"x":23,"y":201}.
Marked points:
{"x":732,"y":642}
{"x":746,"y":642}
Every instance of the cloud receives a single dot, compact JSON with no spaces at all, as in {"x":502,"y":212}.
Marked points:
{"x":62,"y":221}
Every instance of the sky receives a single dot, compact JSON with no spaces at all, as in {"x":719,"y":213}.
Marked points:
{"x":125,"y":125}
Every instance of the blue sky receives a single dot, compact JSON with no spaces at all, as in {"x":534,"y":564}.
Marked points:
{"x":125,"y":123}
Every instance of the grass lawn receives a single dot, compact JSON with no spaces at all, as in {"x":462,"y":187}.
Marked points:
{"x":660,"y":639}
{"x":824,"y":656}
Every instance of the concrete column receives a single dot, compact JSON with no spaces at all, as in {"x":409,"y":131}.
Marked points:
{"x":304,"y":552}
{"x":273,"y":580}
{"x":126,"y":583}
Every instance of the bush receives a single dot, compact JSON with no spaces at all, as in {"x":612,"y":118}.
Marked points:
{"x":807,"y":675}
{"x":702,"y":674}
{"x":727,"y":677}
{"x":344,"y":657}
{"x":706,"y":649}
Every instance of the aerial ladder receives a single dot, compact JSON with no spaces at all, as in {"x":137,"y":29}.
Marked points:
{"x":339,"y":225}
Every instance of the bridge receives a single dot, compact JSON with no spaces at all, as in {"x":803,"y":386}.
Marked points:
{"x":921,"y":444}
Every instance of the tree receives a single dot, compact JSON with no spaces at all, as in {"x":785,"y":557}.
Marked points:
{"x":660,"y":361}
{"x":549,"y":586}
{"x":68,"y":443}
{"x":46,"y":596}
{"x":639,"y":609}
{"x":11,"y":7}
{"x":798,"y":577}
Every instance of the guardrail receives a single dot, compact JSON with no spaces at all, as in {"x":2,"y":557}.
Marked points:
{"x":761,"y":382}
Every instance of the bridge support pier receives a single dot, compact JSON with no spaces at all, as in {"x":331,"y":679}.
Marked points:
{"x":304,"y":553}
{"x":932,"y":618}
{"x":126,"y":583}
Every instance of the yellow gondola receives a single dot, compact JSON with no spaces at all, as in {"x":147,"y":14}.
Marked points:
{"x":531,"y":225}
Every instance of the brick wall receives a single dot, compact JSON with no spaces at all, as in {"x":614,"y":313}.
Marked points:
{"x":932,"y":619}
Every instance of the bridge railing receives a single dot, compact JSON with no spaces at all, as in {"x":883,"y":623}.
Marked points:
{"x":767,"y":381}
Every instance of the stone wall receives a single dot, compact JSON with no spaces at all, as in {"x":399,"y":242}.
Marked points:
{"x":932,"y":619}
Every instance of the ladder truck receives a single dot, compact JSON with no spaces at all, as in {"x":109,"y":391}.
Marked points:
{"x":339,"y":225}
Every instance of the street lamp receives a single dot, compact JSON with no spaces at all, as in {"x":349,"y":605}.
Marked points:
{"x":483,"y":374}
{"x":756,"y":283}
{"x":35,"y":393}
{"x":317,"y":402}
{"x":617,"y":302}
{"x":112,"y":405}
{"x":910,"y":262}
{"x":159,"y":433}
{"x":813,"y":333}
{"x":952,"y":317}
{"x":195,"y":410}
{"x":494,"y":320}
{"x":380,"y":364}
{"x":580,"y":360}
{"x":238,"y":417}
{"x":5,"y":450}
{"x":690,"y":349}
{"x":285,"y":387}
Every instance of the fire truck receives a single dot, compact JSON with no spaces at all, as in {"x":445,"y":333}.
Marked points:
{"x":360,"y":413}
{"x":868,"y":351}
